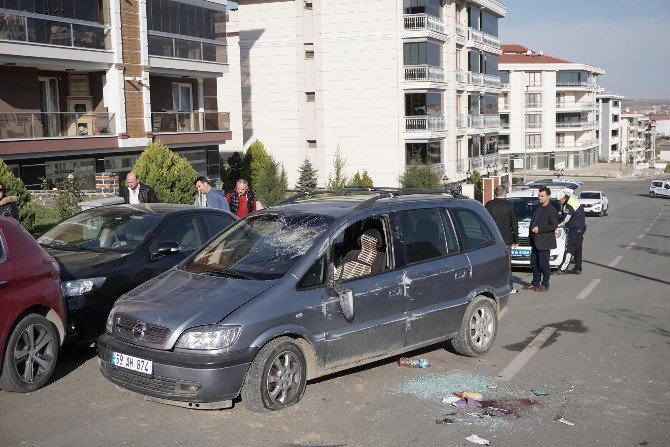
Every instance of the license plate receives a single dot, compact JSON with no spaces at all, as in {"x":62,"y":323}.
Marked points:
{"x":136,"y":364}
{"x":520,"y":253}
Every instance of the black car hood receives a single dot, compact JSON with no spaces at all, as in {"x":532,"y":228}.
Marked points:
{"x":180,"y":300}
{"x":81,"y":264}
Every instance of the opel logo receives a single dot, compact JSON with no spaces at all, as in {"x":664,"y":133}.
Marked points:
{"x":139,"y":330}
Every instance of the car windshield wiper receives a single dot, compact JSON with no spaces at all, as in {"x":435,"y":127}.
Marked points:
{"x":227,"y":273}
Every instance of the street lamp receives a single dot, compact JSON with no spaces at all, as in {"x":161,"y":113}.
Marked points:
{"x":219,"y":184}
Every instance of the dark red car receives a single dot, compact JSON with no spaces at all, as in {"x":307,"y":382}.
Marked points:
{"x":32,"y":310}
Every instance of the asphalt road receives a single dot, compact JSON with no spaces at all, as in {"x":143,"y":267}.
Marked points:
{"x":598,"y":344}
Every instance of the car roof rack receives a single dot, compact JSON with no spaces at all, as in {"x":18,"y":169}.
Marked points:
{"x":381,"y":193}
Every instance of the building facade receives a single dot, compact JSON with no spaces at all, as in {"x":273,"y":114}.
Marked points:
{"x":633,"y":128}
{"x":383,"y":82}
{"x":548,"y":111}
{"x":86,"y":84}
{"x":611,"y":136}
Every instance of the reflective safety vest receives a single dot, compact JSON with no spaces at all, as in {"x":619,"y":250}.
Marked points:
{"x":577,"y":216}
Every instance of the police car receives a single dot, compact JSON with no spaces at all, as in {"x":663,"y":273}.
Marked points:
{"x":525,"y":202}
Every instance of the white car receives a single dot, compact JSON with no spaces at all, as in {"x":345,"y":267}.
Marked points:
{"x":595,"y":202}
{"x":525,"y":201}
{"x":660,"y":188}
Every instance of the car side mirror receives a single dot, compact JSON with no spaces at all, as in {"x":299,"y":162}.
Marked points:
{"x":346,"y":297}
{"x":165,"y":249}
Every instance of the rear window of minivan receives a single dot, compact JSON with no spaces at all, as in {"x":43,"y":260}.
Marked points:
{"x":474,"y":232}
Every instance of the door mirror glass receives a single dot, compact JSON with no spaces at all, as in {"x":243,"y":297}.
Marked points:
{"x":166,"y":248}
{"x":346,"y":297}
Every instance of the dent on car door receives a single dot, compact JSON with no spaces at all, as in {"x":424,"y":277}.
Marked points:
{"x":435,"y":274}
{"x":378,"y":326}
{"x":183,"y":230}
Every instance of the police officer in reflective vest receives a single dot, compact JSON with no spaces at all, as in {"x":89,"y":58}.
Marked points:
{"x":574,"y":220}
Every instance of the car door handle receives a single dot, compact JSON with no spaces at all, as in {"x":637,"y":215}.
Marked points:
{"x":461,"y":275}
{"x":3,"y":284}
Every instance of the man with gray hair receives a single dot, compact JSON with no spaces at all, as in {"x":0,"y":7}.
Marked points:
{"x":502,"y":211}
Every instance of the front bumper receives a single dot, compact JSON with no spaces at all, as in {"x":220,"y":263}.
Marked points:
{"x":86,"y":317}
{"x":185,"y":379}
{"x":555,"y":258}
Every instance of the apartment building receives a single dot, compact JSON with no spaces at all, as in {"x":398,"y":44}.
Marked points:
{"x":633,"y":128}
{"x":86,"y":84}
{"x":382,"y":81}
{"x":610,"y":134}
{"x":548,"y":111}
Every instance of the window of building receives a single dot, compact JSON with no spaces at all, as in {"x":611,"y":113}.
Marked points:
{"x":308,"y":4}
{"x":533,"y":99}
{"x":173,"y":17}
{"x":431,"y":7}
{"x":489,"y":64}
{"x":571,"y":77}
{"x":533,"y":120}
{"x":489,"y":104}
{"x":474,"y":59}
{"x":311,"y":144}
{"x":533,"y":141}
{"x":533,"y":78}
{"x":310,"y":96}
{"x":429,"y":103}
{"x":422,"y":53}
{"x":474,"y":106}
{"x":427,"y":153}
{"x":473,"y":17}
{"x":489,"y":23}
{"x":504,"y":76}
{"x":615,"y":133}
{"x":615,"y":118}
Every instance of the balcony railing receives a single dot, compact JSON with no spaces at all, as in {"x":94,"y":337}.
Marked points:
{"x":589,"y":85}
{"x":533,"y":105}
{"x":460,"y":30}
{"x":424,"y":22}
{"x":483,"y":80}
{"x":478,"y":163}
{"x":576,"y":106}
{"x":461,"y":76}
{"x":475,"y":78}
{"x":533,"y":145}
{"x":184,"y":47}
{"x":178,"y":122}
{"x":50,"y":30}
{"x":461,"y":165}
{"x":503,"y":146}
{"x":533,"y":125}
{"x":580,"y":124}
{"x":576,"y":144}
{"x":483,"y":38}
{"x":504,"y":124}
{"x":462,"y":121}
{"x":492,"y":81}
{"x":425,"y":122}
{"x":482,"y":121}
{"x":26,"y":125}
{"x":424,"y":73}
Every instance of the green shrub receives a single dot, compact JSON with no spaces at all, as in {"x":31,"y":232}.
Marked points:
{"x":271,"y":183}
{"x":337,"y":179}
{"x":420,"y":175}
{"x":256,"y":158}
{"x":361,"y":181}
{"x":15,"y":187}
{"x":67,"y":194}
{"x":308,"y":176}
{"x":169,"y":174}
{"x":667,"y":168}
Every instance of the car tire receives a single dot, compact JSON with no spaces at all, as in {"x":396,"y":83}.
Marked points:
{"x":652,"y":194}
{"x":478,"y":329}
{"x":34,"y":341}
{"x":276,"y":378}
{"x":601,"y":213}
{"x":606,"y":211}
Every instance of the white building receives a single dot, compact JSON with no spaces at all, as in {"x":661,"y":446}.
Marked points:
{"x":633,"y":126}
{"x":548,"y":111}
{"x":383,"y":81}
{"x":609,"y":117}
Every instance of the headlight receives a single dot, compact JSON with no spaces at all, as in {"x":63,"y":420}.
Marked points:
{"x":109,"y":327}
{"x":80,"y":286}
{"x":208,"y":337}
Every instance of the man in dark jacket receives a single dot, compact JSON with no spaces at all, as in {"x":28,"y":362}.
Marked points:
{"x":138,"y":192}
{"x":242,"y":200}
{"x":505,"y":218}
{"x":542,"y":239}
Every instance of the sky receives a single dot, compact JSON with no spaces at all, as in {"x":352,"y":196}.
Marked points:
{"x":630,"y":39}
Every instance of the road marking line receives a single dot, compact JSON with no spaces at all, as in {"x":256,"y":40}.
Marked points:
{"x":615,"y":261}
{"x":640,"y":236}
{"x":524,"y":356}
{"x":631,"y":245}
{"x":592,"y":285}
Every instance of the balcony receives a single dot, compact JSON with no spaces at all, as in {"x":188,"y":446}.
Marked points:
{"x":461,"y":76}
{"x":533,"y":105}
{"x":461,"y":30}
{"x":577,"y":144}
{"x":483,"y":80}
{"x":28,"y":126}
{"x":461,"y":121}
{"x":425,"y":122}
{"x":50,"y":30}
{"x":533,"y":125}
{"x":180,"y":122}
{"x":578,"y":85}
{"x":533,"y":145}
{"x":503,"y":146}
{"x":483,"y":38}
{"x":421,"y":22}
{"x":424,"y":73}
{"x":481,"y":163}
{"x":576,"y":124}
{"x":483,"y":121}
{"x":184,"y":47}
{"x":576,"y":106}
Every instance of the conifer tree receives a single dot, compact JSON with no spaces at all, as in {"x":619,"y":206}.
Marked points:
{"x":308,"y":176}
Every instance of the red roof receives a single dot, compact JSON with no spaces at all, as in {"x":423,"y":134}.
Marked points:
{"x":518,"y":54}
{"x":513,"y":48}
{"x":659,"y":117}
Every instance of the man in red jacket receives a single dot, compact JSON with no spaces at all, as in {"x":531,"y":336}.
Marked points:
{"x":242,"y":200}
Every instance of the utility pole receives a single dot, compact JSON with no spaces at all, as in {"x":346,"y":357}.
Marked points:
{"x":525,"y":143}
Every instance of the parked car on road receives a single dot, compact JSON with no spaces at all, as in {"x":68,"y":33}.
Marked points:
{"x":105,"y":252}
{"x":556,"y":184}
{"x":32,"y":310}
{"x":595,"y":202}
{"x":659,"y":188}
{"x":525,"y":202}
{"x":304,"y":289}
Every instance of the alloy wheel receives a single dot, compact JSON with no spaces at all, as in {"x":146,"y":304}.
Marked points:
{"x":481,"y":327}
{"x":34,"y":353}
{"x":284,"y":378}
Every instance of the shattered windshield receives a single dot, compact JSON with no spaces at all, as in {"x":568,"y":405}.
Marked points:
{"x":101,"y":229}
{"x":265,"y":246}
{"x":525,"y":207}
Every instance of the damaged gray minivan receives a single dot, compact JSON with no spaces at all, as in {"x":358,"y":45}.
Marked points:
{"x":301,"y":290}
